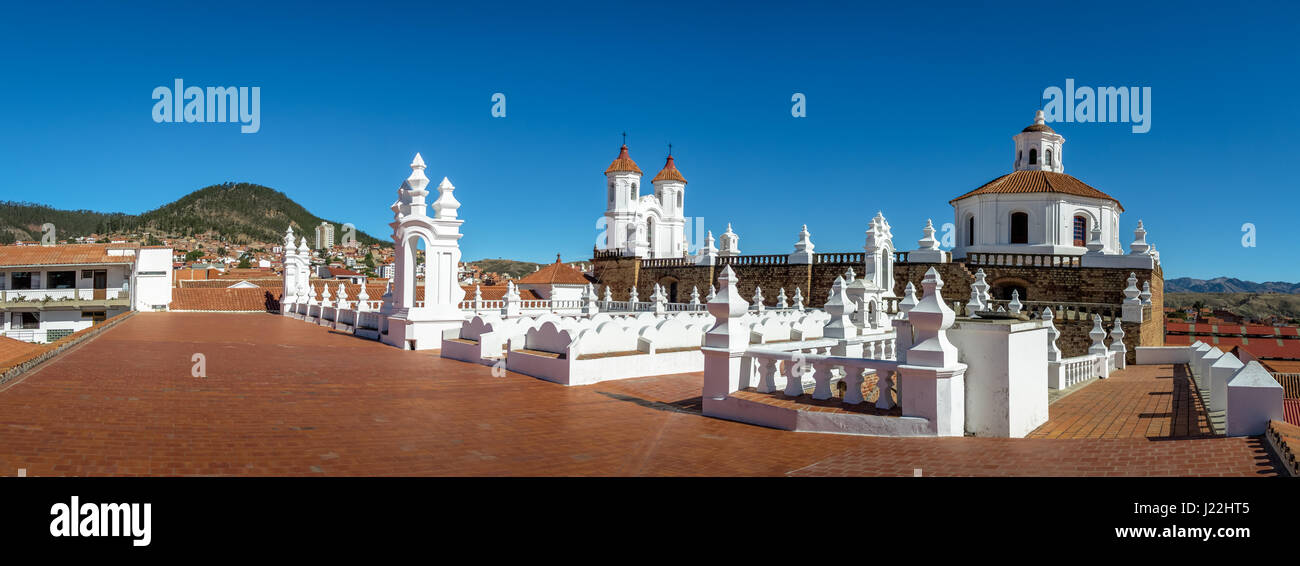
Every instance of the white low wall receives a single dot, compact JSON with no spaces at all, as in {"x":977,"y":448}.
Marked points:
{"x":734,"y":409}
{"x":568,"y":371}
{"x":1154,"y":355}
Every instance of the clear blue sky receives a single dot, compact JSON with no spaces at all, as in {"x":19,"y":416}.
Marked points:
{"x":908,"y":107}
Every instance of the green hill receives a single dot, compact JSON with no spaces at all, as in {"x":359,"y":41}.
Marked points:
{"x":238,"y":212}
{"x":510,"y":267}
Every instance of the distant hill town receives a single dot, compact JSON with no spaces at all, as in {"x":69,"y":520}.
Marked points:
{"x":239,"y":213}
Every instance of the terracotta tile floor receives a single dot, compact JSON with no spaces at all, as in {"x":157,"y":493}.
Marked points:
{"x":283,"y":397}
{"x":1157,"y":401}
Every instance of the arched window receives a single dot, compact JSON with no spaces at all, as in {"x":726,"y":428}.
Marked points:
{"x":1080,"y":231}
{"x":633,"y":192}
{"x":970,"y":231}
{"x":1033,"y":156}
{"x":611,"y":192}
{"x":1020,"y":156}
{"x":1020,"y":224}
{"x":679,"y":201}
{"x":1049,"y":157}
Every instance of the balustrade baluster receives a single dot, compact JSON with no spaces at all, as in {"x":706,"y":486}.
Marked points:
{"x":885,"y":384}
{"x":822,"y":375}
{"x":766,"y":375}
{"x":853,"y":378}
{"x":793,"y":378}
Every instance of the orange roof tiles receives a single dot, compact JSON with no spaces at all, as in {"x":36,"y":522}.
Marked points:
{"x":1274,"y":348}
{"x":225,"y":300}
{"x":623,"y":163}
{"x":496,"y":292}
{"x":670,"y":173}
{"x":62,"y":254}
{"x":1291,"y":411}
{"x":14,"y":352}
{"x":1038,"y":182}
{"x":223,"y":283}
{"x":353,"y":290}
{"x":555,"y":274}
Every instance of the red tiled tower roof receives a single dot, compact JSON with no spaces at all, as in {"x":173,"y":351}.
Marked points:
{"x":623,"y":163}
{"x":670,"y":173}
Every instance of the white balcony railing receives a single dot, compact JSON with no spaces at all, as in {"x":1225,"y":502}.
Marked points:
{"x":49,"y":295}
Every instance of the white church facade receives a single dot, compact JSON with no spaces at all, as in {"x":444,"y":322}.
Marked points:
{"x":650,"y":225}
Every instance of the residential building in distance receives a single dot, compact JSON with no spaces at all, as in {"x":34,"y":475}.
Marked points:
{"x":47,"y":292}
{"x":325,"y":236}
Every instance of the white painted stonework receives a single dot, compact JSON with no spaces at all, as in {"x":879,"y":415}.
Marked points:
{"x":419,"y":323}
{"x":1253,"y":399}
{"x":1004,"y":396}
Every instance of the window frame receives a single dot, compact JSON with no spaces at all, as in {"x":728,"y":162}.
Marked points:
{"x":1025,"y":233}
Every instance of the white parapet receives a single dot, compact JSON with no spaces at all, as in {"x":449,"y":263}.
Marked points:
{"x":1202,"y":364}
{"x":1254,"y":399}
{"x":1006,"y":378}
{"x":1153,"y":355}
{"x":1219,"y":373}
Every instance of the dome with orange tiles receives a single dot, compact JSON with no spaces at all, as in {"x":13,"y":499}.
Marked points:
{"x":623,"y":163}
{"x":670,"y":173}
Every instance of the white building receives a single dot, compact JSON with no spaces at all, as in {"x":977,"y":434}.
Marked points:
{"x":47,"y":292}
{"x":1037,"y":208}
{"x":325,"y":236}
{"x":647,"y":226}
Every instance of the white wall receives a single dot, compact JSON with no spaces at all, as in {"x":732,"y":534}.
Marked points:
{"x":1051,"y":223}
{"x":152,"y":289}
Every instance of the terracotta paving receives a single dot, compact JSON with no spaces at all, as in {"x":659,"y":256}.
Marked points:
{"x":1157,"y":401}
{"x":283,"y":397}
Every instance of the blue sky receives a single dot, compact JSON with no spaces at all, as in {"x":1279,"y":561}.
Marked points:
{"x":907,"y":107}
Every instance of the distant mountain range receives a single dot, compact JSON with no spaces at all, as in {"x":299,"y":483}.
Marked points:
{"x":238,"y":212}
{"x":1228,"y":285}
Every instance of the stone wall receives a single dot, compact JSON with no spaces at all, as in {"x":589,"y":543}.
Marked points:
{"x":686,"y":278}
{"x":620,"y":274}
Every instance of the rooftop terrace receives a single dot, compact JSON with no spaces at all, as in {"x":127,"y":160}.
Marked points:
{"x":286,"y":398}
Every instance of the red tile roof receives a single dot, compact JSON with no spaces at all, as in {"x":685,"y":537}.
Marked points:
{"x":496,"y":292}
{"x":670,"y":173}
{"x":62,"y":254}
{"x":1274,"y":348}
{"x":373,"y":290}
{"x":1291,"y":411}
{"x":14,"y":352}
{"x":225,"y":300}
{"x":274,"y":283}
{"x":623,"y":163}
{"x":1038,"y":182}
{"x":342,"y":272}
{"x":553,"y":274}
